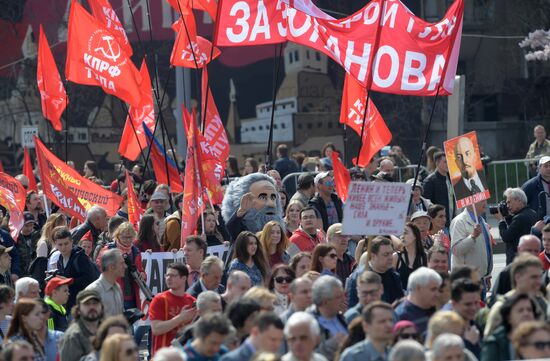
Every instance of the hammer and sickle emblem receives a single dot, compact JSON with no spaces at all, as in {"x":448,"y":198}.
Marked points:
{"x":110,"y":54}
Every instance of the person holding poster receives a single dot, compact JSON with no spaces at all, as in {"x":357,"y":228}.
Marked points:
{"x":466,"y":170}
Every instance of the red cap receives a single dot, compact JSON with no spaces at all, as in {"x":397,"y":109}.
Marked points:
{"x":56,"y":282}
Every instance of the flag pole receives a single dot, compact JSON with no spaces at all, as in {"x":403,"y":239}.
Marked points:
{"x":370,"y":75}
{"x":127,"y":111}
{"x":276,"y":66}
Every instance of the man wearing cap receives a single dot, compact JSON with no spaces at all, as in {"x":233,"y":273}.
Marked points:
{"x":418,"y":203}
{"x":326,"y":201}
{"x":5,"y":265}
{"x":422,"y":220}
{"x":57,"y":295}
{"x":539,"y":183}
{"x":157,"y":205}
{"x":113,"y":267}
{"x":344,"y":262}
{"x":306,"y":189}
{"x":88,"y":313}
{"x":26,"y":243}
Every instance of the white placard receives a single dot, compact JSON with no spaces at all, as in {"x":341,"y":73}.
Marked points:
{"x":27,"y":136}
{"x":376,"y":208}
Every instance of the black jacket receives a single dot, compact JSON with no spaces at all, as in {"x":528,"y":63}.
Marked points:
{"x":78,"y":232}
{"x":435,"y":189}
{"x":81,"y":269}
{"x":532,"y":189}
{"x":320,"y":205}
{"x":513,"y":228}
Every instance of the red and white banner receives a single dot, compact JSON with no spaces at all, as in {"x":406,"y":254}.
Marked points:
{"x":95,"y":57}
{"x":52,"y":92}
{"x":68,"y":189}
{"x":8,"y":201}
{"x":214,"y":130}
{"x":14,"y":186}
{"x":133,"y":140}
{"x":406,"y":54}
{"x":103,"y":11}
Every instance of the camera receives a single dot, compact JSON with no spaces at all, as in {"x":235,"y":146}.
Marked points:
{"x":502,"y":207}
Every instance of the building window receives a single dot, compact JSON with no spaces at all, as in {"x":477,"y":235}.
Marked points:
{"x":307,"y":54}
{"x":320,"y":124}
{"x":283,"y":125}
{"x":275,"y":126}
{"x":317,"y":56}
{"x":290,"y":58}
{"x":299,"y":125}
{"x":253,"y":129}
{"x":296,"y":55}
{"x":309,"y":126}
{"x":260,"y":127}
{"x":329,"y":125}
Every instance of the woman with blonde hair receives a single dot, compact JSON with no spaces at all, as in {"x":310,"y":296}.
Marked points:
{"x":292,"y":216}
{"x":263,"y":296}
{"x":124,"y":238}
{"x":119,"y":347}
{"x":45,"y":243}
{"x":25,"y":323}
{"x":274,"y":243}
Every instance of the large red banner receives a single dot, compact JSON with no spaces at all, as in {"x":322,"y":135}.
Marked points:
{"x":406,"y":54}
{"x":53,"y":171}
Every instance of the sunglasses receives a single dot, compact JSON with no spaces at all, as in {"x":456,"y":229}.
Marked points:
{"x":131,"y":351}
{"x":329,"y":183}
{"x":407,"y":336}
{"x":539,"y":345}
{"x":333,"y":255}
{"x":281,"y":279}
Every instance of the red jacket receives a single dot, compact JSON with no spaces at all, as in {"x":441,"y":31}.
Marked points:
{"x":304,"y":241}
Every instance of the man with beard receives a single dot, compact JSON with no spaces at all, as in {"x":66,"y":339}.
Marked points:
{"x":34,"y":207}
{"x":249,"y":203}
{"x":472,"y":181}
{"x":87,"y":315}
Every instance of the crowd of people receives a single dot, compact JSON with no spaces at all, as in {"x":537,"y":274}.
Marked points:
{"x":294,"y":287}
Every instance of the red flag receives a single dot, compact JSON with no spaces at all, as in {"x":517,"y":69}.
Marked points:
{"x":210,"y":6}
{"x":210,"y":168}
{"x":95,"y":57}
{"x":103,"y":11}
{"x":342,"y":177}
{"x":376,"y":134}
{"x":192,"y":202}
{"x":134,"y":208}
{"x":131,"y":145}
{"x":28,"y":170}
{"x":52,"y":92}
{"x":214,"y":130}
{"x":181,"y":6}
{"x":190,"y":50}
{"x":8,"y":201}
{"x":68,"y":189}
{"x":14,"y":186}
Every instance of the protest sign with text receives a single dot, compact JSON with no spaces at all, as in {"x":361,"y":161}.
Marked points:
{"x":406,"y":54}
{"x":375,"y":208}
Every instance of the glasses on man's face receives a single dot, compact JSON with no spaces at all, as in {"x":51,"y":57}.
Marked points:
{"x":539,"y":345}
{"x":283,"y":279}
{"x":329,"y":183}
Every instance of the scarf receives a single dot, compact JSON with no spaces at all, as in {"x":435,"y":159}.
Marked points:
{"x":124,"y":249}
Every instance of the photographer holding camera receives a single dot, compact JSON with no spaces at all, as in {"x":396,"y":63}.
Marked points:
{"x":515,"y":220}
